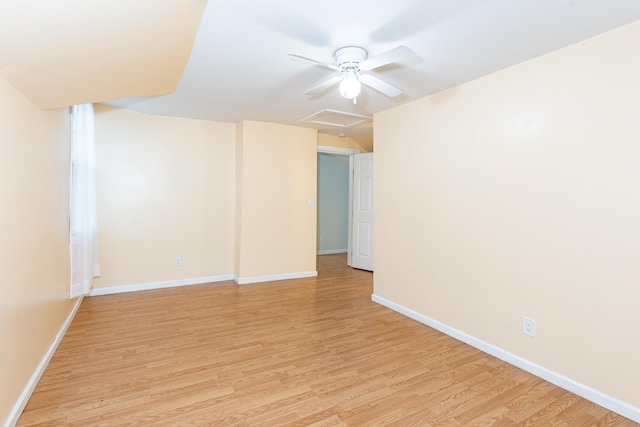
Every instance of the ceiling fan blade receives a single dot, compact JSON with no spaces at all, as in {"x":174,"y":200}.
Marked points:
{"x":381,"y":86}
{"x":313,"y":61}
{"x":324,"y":85}
{"x":397,"y":54}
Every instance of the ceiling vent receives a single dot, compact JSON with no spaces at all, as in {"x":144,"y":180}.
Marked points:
{"x":336,"y":118}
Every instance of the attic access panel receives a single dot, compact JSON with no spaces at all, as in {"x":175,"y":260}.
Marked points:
{"x":336,"y":118}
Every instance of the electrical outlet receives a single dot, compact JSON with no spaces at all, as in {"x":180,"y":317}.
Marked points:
{"x":528,"y":326}
{"x":177,"y":261}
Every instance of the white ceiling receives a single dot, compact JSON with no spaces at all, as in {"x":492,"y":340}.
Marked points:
{"x":239,"y":68}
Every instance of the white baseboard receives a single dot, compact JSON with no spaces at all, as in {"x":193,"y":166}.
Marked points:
{"x":159,"y":285}
{"x":17,"y":409}
{"x":274,"y":277}
{"x":333,"y":251}
{"x":595,"y":396}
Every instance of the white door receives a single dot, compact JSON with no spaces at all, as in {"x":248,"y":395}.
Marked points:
{"x":362,"y":216}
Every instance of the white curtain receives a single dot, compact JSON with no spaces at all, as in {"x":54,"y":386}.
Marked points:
{"x":85,"y":262}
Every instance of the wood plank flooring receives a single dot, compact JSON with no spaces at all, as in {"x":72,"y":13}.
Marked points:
{"x":308,"y":352}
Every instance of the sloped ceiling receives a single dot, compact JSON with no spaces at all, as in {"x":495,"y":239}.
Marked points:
{"x":64,"y":52}
{"x":132,"y":53}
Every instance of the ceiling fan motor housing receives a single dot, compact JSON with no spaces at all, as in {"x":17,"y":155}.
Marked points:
{"x":350,"y":57}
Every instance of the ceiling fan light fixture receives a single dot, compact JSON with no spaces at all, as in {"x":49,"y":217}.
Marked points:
{"x":350,"y":85}
{"x":350,"y":60}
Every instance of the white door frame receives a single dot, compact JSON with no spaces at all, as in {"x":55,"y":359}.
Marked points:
{"x":345,"y":152}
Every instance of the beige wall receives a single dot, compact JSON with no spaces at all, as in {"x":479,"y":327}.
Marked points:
{"x":365,"y":141}
{"x":341,"y":142}
{"x":165,"y":189}
{"x":277,"y":231}
{"x":172,"y":187}
{"x":518,"y":194}
{"x":34,"y":225}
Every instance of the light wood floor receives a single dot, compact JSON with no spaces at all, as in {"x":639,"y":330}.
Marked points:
{"x":309,"y":352}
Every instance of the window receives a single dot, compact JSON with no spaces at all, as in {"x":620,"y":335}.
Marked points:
{"x":85,"y":263}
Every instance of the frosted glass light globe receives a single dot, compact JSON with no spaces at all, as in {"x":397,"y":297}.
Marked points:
{"x":350,"y":85}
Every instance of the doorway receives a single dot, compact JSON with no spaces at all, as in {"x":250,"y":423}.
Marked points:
{"x":332,"y":241}
{"x":333,"y":204}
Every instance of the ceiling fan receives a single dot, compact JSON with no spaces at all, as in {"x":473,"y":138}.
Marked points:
{"x":350,"y":62}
